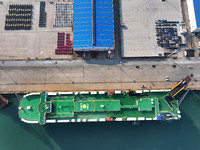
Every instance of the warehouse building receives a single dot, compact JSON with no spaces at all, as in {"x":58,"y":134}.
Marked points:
{"x":93,"y":27}
{"x":194,"y":14}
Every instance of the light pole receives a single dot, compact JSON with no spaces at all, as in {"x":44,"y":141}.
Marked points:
{"x":8,"y":74}
{"x":172,"y":53}
{"x":179,"y":65}
{"x":176,"y":63}
{"x":42,"y":53}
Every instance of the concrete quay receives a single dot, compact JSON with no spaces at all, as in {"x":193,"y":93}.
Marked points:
{"x":92,"y":75}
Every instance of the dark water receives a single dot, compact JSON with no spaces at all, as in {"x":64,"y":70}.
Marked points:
{"x":183,"y":134}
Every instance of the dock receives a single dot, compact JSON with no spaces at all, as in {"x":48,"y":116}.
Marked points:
{"x":37,"y":76}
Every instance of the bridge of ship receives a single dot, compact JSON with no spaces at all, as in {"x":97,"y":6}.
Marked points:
{"x":67,"y":106}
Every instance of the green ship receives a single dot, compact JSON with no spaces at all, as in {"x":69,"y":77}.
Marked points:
{"x":98,"y":106}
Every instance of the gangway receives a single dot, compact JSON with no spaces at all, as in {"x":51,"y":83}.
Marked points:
{"x":177,"y":89}
{"x":180,"y":86}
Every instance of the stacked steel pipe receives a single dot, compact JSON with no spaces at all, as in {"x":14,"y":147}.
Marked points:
{"x":42,"y":19}
{"x":19,"y":17}
{"x":63,"y":49}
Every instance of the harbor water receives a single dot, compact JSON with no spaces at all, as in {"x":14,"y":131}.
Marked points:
{"x":183,"y":134}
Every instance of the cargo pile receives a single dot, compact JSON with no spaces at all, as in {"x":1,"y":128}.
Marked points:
{"x":19,"y":17}
{"x":63,"y":49}
{"x":63,"y":15}
{"x":167,"y":34}
{"x":42,"y":19}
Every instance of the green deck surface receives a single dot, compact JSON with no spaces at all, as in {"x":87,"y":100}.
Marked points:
{"x":97,"y":106}
{"x":62,"y":107}
{"x":33,"y":114}
{"x":146,"y":104}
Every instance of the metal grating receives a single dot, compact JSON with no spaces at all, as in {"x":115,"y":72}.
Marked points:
{"x":63,"y":15}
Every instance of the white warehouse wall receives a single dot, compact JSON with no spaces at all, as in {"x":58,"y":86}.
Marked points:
{"x":192,"y":17}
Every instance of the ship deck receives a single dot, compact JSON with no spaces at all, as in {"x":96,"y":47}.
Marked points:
{"x":89,"y":107}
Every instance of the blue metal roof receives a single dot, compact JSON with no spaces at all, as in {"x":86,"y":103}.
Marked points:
{"x":93,"y":24}
{"x":197,"y":11}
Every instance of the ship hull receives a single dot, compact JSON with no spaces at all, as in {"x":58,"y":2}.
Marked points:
{"x":98,"y":106}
